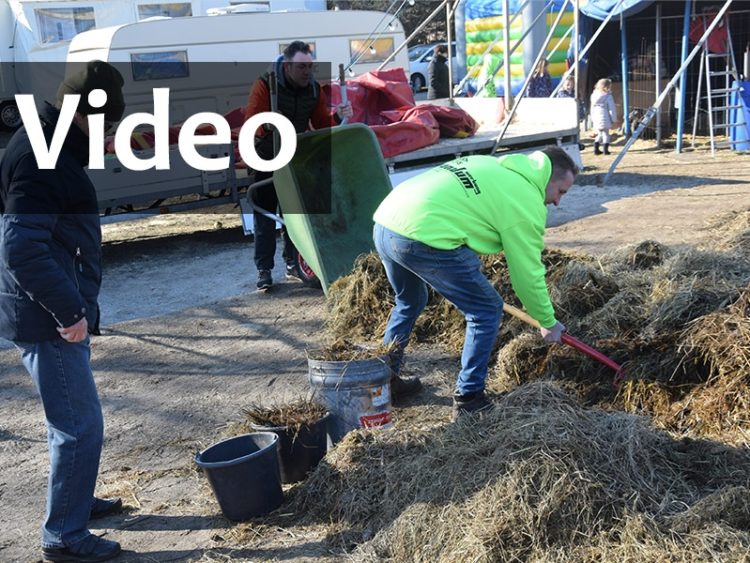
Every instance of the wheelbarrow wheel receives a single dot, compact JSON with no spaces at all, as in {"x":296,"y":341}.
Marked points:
{"x":309,"y":279}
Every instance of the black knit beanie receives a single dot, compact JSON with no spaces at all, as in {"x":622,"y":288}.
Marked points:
{"x":96,"y":74}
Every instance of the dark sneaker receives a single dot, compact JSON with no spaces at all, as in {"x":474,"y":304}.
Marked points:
{"x":264,"y":279}
{"x":89,"y":550}
{"x":102,"y":507}
{"x":293,"y":273}
{"x":402,"y":387}
{"x":470,"y":403}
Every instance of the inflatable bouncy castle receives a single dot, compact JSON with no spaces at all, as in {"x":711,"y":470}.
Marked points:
{"x":485,"y":28}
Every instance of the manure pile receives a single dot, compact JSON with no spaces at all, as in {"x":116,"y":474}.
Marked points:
{"x":676,"y":318}
{"x":538,"y":478}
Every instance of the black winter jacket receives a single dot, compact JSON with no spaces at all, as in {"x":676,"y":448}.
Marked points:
{"x":50,"y":238}
{"x":438,"y":76}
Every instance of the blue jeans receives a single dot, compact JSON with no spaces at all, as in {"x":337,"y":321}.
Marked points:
{"x":75,"y":428}
{"x":457,"y":276}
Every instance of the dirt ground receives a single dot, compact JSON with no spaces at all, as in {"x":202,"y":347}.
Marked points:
{"x":188,"y":342}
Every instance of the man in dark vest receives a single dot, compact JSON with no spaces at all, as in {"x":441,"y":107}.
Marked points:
{"x":301,"y":100}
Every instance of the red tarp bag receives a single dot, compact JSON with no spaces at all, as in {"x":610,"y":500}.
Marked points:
{"x":454,"y":123}
{"x":373,"y":93}
{"x":416,"y":128}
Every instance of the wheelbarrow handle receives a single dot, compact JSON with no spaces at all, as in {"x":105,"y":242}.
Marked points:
{"x":342,"y":84}
{"x":571,"y":341}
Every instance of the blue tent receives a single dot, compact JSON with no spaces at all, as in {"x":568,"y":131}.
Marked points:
{"x":600,"y":9}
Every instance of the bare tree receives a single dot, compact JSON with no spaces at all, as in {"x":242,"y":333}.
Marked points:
{"x":410,"y":16}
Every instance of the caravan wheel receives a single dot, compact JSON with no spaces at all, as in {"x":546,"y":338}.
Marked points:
{"x":10,"y":117}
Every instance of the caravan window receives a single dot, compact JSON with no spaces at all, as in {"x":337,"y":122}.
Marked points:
{"x":370,"y":50}
{"x":62,"y":24}
{"x":169,"y":9}
{"x":159,"y":65}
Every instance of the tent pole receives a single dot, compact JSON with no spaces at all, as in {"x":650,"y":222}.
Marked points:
{"x":678,"y":76}
{"x":624,"y":65}
{"x":683,"y":77}
{"x":448,"y":15}
{"x":588,"y":45}
{"x":576,"y":53}
{"x":506,"y":56}
{"x":657,"y":71}
{"x":419,"y":28}
{"x":519,"y":97}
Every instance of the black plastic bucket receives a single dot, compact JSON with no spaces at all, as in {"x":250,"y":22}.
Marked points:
{"x":244,"y":474}
{"x":300,"y":449}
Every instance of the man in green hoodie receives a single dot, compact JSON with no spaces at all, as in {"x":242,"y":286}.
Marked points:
{"x":429,"y":231}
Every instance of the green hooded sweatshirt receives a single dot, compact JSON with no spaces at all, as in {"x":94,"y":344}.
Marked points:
{"x":489,"y":204}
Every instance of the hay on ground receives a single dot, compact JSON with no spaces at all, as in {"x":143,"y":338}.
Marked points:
{"x":538,"y":478}
{"x":635,"y":304}
{"x":731,"y":232}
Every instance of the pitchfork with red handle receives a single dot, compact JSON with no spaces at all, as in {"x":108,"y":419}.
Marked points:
{"x":574,"y":342}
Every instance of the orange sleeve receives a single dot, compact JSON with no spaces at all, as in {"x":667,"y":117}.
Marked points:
{"x":258,"y":101}
{"x":321,"y":116}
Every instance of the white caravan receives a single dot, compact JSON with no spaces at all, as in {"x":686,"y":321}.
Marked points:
{"x":36,"y":31}
{"x":357,"y":38}
{"x":361,"y":40}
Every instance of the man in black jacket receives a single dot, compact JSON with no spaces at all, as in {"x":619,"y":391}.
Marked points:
{"x":437,"y":73}
{"x":50,"y":273}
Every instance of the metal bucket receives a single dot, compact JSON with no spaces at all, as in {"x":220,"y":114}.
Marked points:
{"x":357,"y":393}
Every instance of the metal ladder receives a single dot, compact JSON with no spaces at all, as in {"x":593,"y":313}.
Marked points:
{"x":722,"y":101}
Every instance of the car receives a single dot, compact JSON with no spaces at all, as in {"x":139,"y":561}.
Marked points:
{"x":419,"y":61}
{"x":416,"y":51}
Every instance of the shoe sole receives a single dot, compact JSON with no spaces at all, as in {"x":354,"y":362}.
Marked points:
{"x":79,"y":559}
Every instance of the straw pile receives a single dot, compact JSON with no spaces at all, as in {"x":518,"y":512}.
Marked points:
{"x":676,"y":318}
{"x":546,"y":476}
{"x":731,"y":231}
{"x":359,"y":304}
{"x":538,"y":478}
{"x":344,"y":350}
{"x":294,"y":415}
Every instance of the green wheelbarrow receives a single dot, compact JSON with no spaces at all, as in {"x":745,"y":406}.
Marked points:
{"x":328,"y":193}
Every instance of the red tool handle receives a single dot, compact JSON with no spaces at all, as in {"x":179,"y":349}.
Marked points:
{"x":572,"y":341}
{"x":565,"y":338}
{"x":589,"y":351}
